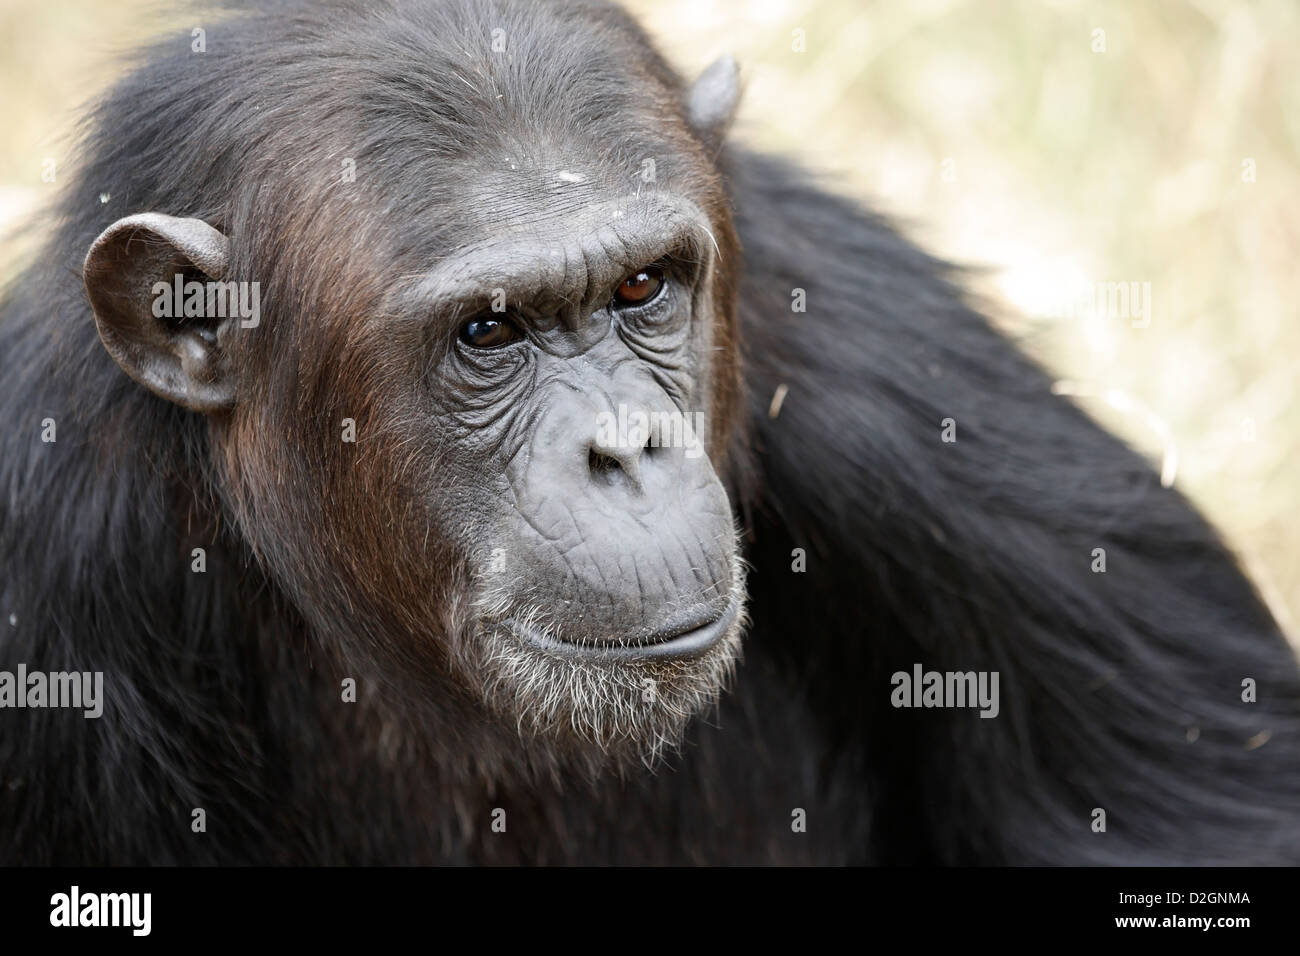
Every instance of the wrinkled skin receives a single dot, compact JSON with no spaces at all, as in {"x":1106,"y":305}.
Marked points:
{"x":611,"y":544}
{"x":607,"y":580}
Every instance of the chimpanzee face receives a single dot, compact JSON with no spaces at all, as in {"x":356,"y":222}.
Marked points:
{"x":474,"y":439}
{"x":569,"y":373}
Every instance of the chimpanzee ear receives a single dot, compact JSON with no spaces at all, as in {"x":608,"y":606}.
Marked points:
{"x":711,"y":100}
{"x":136,"y":274}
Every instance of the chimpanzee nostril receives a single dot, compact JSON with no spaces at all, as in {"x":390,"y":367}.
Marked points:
{"x":612,"y":465}
{"x":602,"y":465}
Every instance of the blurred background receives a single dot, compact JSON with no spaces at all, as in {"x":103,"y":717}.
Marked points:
{"x":1124,"y":175}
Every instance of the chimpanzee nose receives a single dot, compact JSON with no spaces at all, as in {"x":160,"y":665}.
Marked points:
{"x":614,"y":462}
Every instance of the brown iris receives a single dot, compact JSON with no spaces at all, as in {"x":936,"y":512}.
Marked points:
{"x":640,"y":287}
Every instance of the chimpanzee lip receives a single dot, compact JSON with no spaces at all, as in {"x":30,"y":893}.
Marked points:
{"x":683,"y":644}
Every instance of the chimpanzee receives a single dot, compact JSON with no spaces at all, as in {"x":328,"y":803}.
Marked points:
{"x":443,"y":445}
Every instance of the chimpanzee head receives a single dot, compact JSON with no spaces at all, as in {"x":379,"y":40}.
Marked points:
{"x":456,"y":318}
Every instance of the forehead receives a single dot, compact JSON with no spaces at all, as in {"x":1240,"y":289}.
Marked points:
{"x":537,"y":188}
{"x":550,"y":212}
{"x":494,"y":157}
{"x":520,"y":171}
{"x":460,"y":135}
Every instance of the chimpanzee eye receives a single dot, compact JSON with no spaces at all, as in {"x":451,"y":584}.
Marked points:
{"x":489,"y":333}
{"x":639,"y":288}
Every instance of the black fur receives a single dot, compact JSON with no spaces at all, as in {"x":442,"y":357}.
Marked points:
{"x":961,"y":556}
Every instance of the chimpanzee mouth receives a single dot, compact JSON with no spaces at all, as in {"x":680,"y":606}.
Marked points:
{"x":680,"y":643}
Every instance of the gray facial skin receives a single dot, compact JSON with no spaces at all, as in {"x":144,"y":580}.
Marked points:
{"x":604,"y":539}
{"x":608,"y":588}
